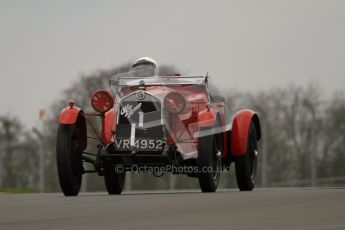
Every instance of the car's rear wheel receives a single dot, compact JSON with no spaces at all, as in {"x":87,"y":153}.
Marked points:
{"x":246,"y":165}
{"x":114,"y":177}
{"x":209,"y":162}
{"x":69,"y":160}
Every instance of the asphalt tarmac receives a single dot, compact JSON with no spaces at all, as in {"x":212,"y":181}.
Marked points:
{"x":280,"y":208}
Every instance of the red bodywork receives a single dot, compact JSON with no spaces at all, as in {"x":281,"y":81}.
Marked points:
{"x":198,"y":113}
{"x":182,"y":128}
{"x":108,"y":126}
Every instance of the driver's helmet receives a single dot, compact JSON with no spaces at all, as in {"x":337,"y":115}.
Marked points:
{"x":145,"y":67}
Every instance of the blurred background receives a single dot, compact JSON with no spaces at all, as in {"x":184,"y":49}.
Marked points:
{"x":283,"y":58}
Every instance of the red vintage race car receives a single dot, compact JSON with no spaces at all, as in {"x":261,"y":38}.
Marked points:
{"x":157,"y":124}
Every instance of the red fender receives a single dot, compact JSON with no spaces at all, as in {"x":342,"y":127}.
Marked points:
{"x":207,"y":118}
{"x":240,"y":129}
{"x":73,"y":115}
{"x":69,"y":115}
{"x":108,"y":125}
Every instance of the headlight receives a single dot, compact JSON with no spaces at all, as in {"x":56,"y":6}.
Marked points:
{"x":102,"y":100}
{"x":174,"y":102}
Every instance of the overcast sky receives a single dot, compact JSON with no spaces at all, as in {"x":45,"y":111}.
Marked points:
{"x":247,"y":45}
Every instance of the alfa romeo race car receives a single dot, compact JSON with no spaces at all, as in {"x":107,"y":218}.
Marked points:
{"x":159,"y":124}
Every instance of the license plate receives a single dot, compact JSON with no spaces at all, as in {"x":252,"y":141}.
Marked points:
{"x":139,"y":144}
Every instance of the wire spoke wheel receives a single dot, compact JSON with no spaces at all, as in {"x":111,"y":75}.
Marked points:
{"x":69,"y":160}
{"x":209,"y":162}
{"x":246,"y":165}
{"x":113,"y":177}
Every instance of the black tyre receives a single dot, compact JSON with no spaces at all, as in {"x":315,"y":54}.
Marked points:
{"x":209,"y":162}
{"x":114,"y":178}
{"x":246,"y":165}
{"x":69,"y":160}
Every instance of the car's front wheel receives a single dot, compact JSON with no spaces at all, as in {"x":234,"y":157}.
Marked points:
{"x":245,"y":166}
{"x":69,"y":160}
{"x":209,"y":162}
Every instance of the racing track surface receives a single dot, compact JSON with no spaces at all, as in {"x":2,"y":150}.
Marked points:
{"x":289,"y":208}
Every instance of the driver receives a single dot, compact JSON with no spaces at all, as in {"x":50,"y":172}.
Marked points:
{"x":145,"y":67}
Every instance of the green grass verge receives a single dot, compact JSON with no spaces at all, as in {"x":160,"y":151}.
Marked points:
{"x":18,"y":190}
